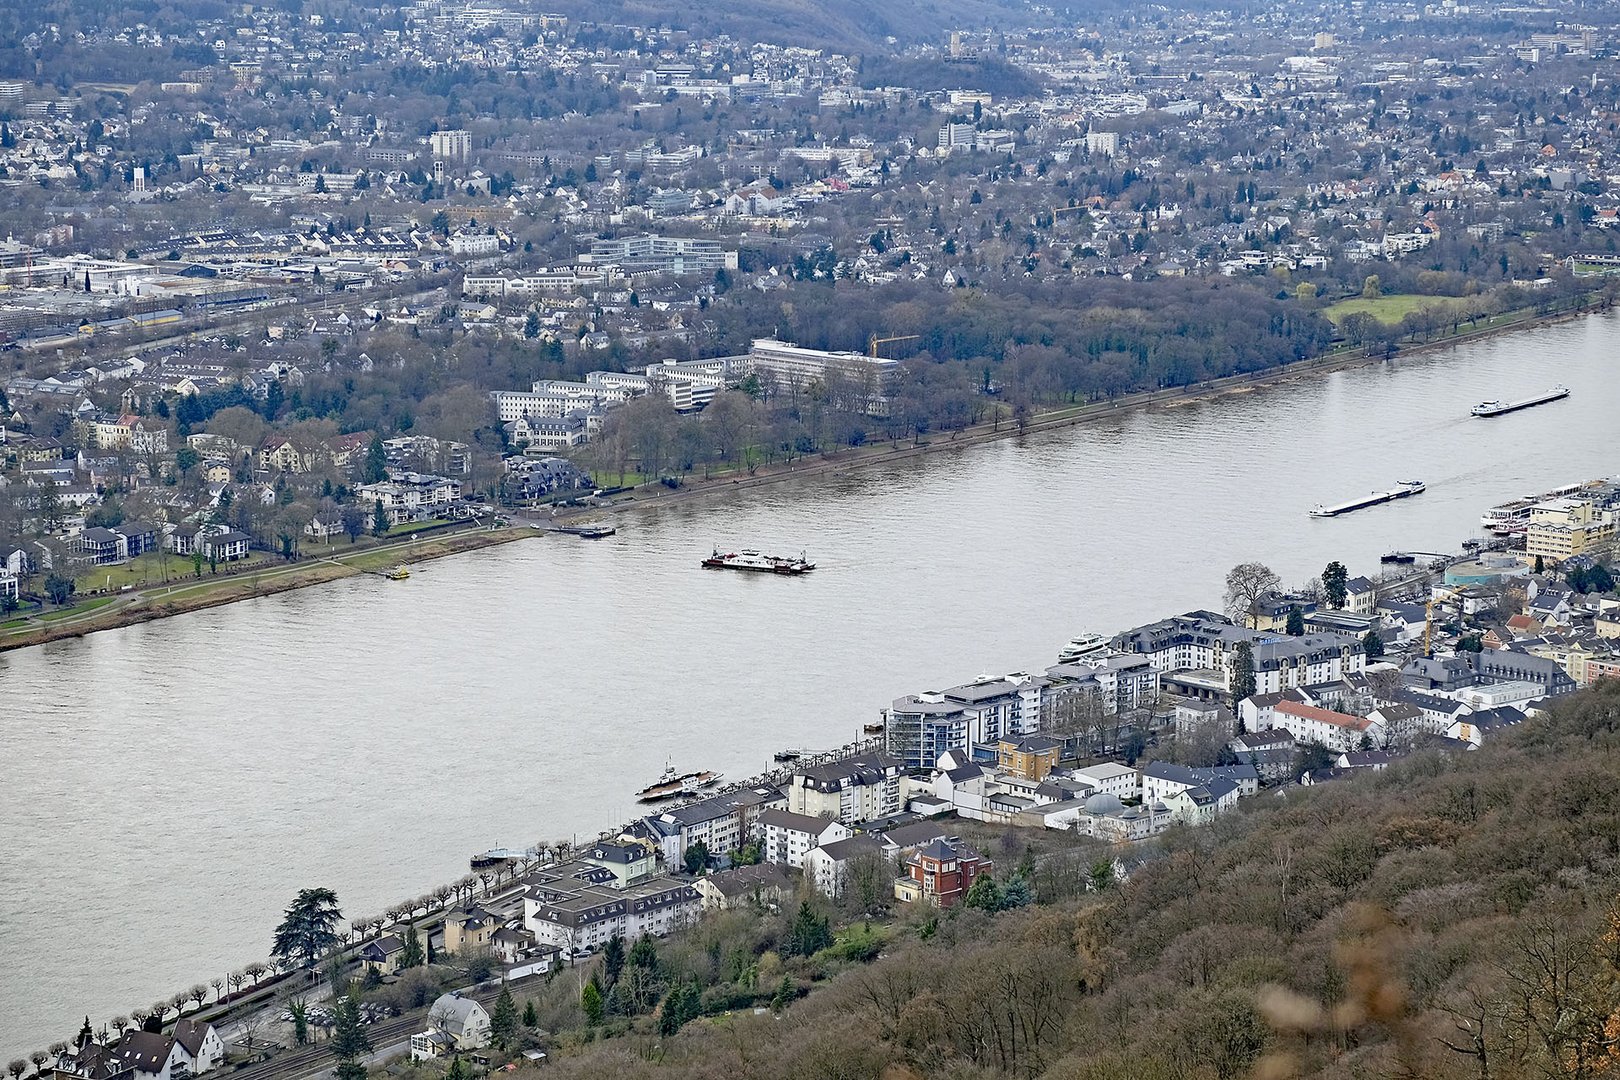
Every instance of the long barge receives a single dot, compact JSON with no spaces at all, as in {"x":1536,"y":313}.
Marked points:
{"x":754,"y":561}
{"x":1401,"y":490}
{"x":1499,"y":408}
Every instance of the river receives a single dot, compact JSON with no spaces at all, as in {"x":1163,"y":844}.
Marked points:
{"x":169,"y":786}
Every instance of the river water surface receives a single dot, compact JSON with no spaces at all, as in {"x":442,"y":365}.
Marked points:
{"x":168,"y":787}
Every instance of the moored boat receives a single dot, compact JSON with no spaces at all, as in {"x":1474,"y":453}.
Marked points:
{"x":792,"y":753}
{"x":672,"y":784}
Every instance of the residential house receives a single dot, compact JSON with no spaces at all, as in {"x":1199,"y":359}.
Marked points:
{"x":92,"y":1061}
{"x":1199,"y":805}
{"x":1030,"y":757}
{"x":763,"y":886}
{"x":627,"y":862}
{"x":281,"y":453}
{"x":203,"y":1047}
{"x":787,"y":837}
{"x":226,"y":546}
{"x":851,"y":791}
{"x":1376,"y":760}
{"x":10,"y":587}
{"x":1510,"y":665}
{"x":1476,"y":727}
{"x":1105,"y":817}
{"x":1360,"y":596}
{"x":1111,"y":778}
{"x":940,"y":873}
{"x":152,"y":1056}
{"x":828,"y":868}
{"x":1334,"y":730}
{"x":459,"y":1024}
{"x":385,"y":953}
{"x":721,"y":823}
{"x":574,"y":908}
{"x":469,"y":930}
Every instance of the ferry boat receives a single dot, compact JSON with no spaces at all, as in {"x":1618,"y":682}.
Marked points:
{"x":398,"y":573}
{"x":497,"y":857}
{"x":1497,"y":408}
{"x":753,"y":560}
{"x":1082,"y":646}
{"x":1513,"y":516}
{"x":1401,"y":490}
{"x":672,"y":785}
{"x":1397,"y":557}
{"x":792,"y":753}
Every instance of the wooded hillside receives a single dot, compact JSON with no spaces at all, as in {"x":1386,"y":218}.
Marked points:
{"x":1454,"y":916}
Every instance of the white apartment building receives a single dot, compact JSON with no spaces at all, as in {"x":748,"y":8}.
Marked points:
{"x":919,"y":728}
{"x":851,"y":791}
{"x":451,"y":145}
{"x":578,"y":917}
{"x":1339,"y":732}
{"x":787,"y":838}
{"x":473,"y":244}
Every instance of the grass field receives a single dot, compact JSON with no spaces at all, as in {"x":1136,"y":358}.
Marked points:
{"x":1388,"y":309}
{"x":77,"y":609}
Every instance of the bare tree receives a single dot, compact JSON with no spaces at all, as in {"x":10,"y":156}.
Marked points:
{"x":119,"y":1023}
{"x":256,"y":971}
{"x":235,"y":980}
{"x":17,"y":1067}
{"x":199,"y":994}
{"x":39,"y":1057}
{"x":249,"y":1028}
{"x":1246,"y":584}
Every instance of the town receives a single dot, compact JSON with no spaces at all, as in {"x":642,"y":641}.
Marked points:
{"x":527,"y":254}
{"x":1170,"y":725}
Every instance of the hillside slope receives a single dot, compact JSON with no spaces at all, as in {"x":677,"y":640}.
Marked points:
{"x":1454,"y":916}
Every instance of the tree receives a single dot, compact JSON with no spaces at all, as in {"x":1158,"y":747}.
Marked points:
{"x":1246,"y":584}
{"x":1295,"y":626}
{"x":58,"y":588}
{"x":412,"y":955}
{"x":590,"y":999}
{"x":51,"y":510}
{"x":531,"y":325}
{"x":375,"y":470}
{"x":1334,"y":577}
{"x":785,"y":994}
{"x":308,"y":929}
{"x":1371,"y":289}
{"x":696,"y":858}
{"x":809,"y":934}
{"x":531,"y":1019}
{"x":349,"y":1040}
{"x":984,"y":894}
{"x":1242,"y":672}
{"x":379,"y":519}
{"x":1470,"y":643}
{"x":613,"y":959}
{"x":298,"y":1009}
{"x":503,"y":1021}
{"x":1372,"y":644}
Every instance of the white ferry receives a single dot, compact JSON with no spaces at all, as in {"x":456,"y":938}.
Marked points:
{"x":1082,"y":646}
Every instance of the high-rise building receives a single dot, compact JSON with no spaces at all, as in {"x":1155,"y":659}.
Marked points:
{"x":451,"y":145}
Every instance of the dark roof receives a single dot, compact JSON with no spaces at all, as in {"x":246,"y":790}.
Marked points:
{"x":145,"y":1051}
{"x":1031,"y":744}
{"x":190,"y":1035}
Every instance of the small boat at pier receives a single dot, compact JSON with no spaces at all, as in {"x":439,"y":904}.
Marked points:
{"x":792,"y":753}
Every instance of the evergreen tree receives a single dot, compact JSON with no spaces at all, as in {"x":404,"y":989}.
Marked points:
{"x":531,"y":1019}
{"x":1372,"y":644}
{"x":644,"y":954}
{"x":1242,"y":672}
{"x":1295,"y":627}
{"x":376,"y":466}
{"x":412,"y":956}
{"x":669,"y":1013}
{"x":503,"y":1021}
{"x":786,"y":992}
{"x":809,"y":934}
{"x":696,"y":858}
{"x":1334,"y":578}
{"x":613,"y":959}
{"x":379,"y":519}
{"x":457,"y":1070}
{"x":1017,"y":893}
{"x":590,"y":999}
{"x":308,"y":929}
{"x":984,"y":894}
{"x":349,"y":1040}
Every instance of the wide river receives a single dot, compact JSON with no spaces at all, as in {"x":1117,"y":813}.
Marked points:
{"x":168,"y":787}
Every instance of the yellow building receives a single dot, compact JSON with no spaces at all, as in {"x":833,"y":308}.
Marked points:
{"x":1562,"y":528}
{"x":1028,"y":757}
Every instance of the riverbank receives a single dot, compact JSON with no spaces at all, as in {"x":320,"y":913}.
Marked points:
{"x":164,"y":601}
{"x":179,"y":597}
{"x":654,"y":494}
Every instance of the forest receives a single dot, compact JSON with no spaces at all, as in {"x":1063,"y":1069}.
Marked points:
{"x":1453,"y":916}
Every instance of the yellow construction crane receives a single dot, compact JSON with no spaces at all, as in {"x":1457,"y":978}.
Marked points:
{"x":875,"y":341}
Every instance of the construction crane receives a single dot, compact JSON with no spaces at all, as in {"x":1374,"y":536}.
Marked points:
{"x":873,"y":343}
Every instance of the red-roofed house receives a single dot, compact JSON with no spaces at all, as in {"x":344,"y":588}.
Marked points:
{"x":1339,"y":732}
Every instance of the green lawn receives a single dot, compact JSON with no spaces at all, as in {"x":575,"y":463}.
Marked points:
{"x":77,"y":609}
{"x":1388,"y":309}
{"x":145,"y":570}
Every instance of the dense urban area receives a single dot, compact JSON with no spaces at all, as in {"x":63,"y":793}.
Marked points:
{"x":312,"y":284}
